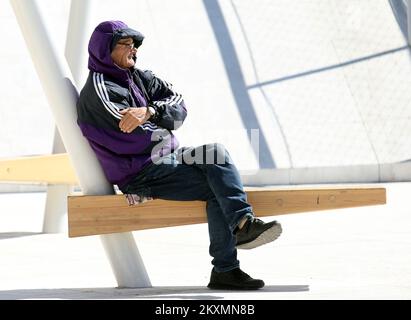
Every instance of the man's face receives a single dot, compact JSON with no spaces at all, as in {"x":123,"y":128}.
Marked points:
{"x":123,"y":53}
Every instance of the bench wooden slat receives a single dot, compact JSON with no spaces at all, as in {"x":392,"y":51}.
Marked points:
{"x":92,"y":215}
{"x":54,"y":169}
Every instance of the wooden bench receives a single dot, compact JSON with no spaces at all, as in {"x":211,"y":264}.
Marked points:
{"x":93,"y":215}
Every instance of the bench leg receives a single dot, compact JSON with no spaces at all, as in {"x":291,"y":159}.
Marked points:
{"x":125,"y":260}
{"x":55,"y":212}
{"x":56,"y":202}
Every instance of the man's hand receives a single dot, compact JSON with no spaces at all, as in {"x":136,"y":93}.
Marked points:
{"x":132,"y":118}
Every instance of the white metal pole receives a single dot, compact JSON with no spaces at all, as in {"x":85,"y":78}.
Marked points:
{"x":78,"y":33}
{"x":409,"y":21}
{"x":57,"y":84}
{"x":55,"y":211}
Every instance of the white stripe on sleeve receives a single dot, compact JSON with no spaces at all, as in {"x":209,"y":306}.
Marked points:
{"x":103,"y":95}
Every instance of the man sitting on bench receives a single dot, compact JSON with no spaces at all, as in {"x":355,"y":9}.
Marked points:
{"x":128,"y":116}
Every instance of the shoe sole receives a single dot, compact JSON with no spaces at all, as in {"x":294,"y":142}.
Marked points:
{"x":228,"y":287}
{"x":267,"y":236}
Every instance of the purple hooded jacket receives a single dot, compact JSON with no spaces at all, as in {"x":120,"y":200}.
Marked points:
{"x":110,"y":89}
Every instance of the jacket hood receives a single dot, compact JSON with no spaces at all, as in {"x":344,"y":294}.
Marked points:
{"x":103,"y":39}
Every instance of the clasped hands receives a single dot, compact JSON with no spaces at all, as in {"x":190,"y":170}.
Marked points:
{"x":132,"y":118}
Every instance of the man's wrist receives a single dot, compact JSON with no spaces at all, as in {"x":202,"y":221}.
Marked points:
{"x":151,"y":111}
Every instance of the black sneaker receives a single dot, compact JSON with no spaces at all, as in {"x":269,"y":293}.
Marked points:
{"x":235,"y":279}
{"x":256,"y":232}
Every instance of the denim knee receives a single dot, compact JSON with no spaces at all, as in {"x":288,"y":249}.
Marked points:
{"x":216,"y":153}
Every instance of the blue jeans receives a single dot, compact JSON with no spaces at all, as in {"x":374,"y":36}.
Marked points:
{"x":204,"y":173}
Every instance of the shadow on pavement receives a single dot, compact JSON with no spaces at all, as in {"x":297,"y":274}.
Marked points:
{"x":9,"y":235}
{"x":181,"y":292}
